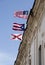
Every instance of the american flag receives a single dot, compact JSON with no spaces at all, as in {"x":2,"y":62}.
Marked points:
{"x":21,"y":14}
{"x":18,"y":27}
{"x":16,"y":36}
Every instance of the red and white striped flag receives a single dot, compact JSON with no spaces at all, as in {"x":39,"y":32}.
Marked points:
{"x":18,"y":27}
{"x":16,"y":36}
{"x":21,"y":14}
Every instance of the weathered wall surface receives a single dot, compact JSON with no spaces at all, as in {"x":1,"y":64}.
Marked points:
{"x":36,"y":17}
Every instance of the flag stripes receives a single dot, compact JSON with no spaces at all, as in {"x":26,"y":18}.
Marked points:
{"x":18,"y":27}
{"x":21,"y":14}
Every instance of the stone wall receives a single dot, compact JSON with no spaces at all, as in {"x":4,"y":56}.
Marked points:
{"x":33,"y":24}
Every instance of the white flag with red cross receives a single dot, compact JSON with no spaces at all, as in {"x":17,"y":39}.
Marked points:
{"x":16,"y":36}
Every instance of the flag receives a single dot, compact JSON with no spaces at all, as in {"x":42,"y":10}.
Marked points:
{"x":18,"y":27}
{"x":21,"y":14}
{"x":16,"y":36}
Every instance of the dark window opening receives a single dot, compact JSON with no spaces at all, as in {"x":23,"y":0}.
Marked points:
{"x":29,"y":61}
{"x":40,"y":55}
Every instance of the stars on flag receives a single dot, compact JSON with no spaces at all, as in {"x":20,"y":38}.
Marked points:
{"x":21,"y":14}
{"x":17,"y":26}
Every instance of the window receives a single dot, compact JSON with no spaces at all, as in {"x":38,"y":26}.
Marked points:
{"x":29,"y":61}
{"x":40,"y":55}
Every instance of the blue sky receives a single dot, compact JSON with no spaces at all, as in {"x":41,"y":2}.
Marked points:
{"x":9,"y":48}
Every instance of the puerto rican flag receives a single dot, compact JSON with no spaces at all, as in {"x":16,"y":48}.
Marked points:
{"x":16,"y":36}
{"x":18,"y":27}
{"x":21,"y":14}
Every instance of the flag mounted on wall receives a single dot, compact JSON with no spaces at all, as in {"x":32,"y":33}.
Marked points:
{"x":18,"y":27}
{"x":16,"y":36}
{"x":21,"y":14}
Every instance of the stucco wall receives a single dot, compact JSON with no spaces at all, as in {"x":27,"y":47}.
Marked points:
{"x":39,"y":39}
{"x":33,"y":30}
